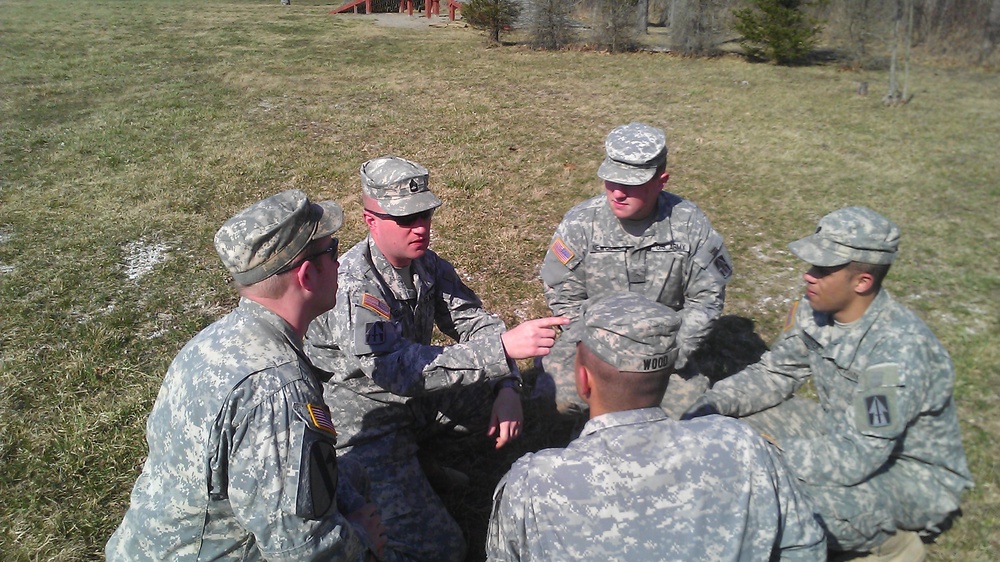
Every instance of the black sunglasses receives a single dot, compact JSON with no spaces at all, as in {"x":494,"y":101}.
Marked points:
{"x":405,"y":220}
{"x":331,"y":249}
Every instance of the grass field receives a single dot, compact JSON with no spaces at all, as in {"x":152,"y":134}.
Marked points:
{"x":131,"y":130}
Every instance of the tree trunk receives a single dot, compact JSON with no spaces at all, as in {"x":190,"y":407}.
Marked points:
{"x":906,"y":55}
{"x":641,"y":16}
{"x":892,"y":96}
{"x":991,"y":35}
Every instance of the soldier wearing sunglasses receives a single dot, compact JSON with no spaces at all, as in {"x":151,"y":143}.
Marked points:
{"x":391,"y":386}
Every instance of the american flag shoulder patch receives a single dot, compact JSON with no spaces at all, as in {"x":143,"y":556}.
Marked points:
{"x":376,"y":305}
{"x":562,"y":251}
{"x":321,"y":418}
{"x":790,"y":319}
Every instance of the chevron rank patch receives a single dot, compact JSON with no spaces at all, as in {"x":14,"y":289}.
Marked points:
{"x":321,"y":418}
{"x":562,"y":251}
{"x":376,"y":305}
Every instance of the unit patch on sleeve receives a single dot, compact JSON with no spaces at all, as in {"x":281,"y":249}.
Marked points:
{"x":722,"y":264}
{"x":376,"y":305}
{"x":877,"y":405}
{"x":562,"y":251}
{"x":878,"y":410}
{"x":375,"y":336}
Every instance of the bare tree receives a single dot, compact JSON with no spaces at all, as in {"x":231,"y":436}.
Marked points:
{"x":614,"y":24}
{"x":902,"y":36}
{"x":697,"y":25}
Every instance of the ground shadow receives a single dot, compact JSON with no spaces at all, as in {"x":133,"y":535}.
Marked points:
{"x":731,"y":346}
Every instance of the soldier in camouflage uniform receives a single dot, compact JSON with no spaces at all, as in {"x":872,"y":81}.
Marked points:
{"x":880,"y":455}
{"x":638,"y":485}
{"x":637,"y":238}
{"x":242,"y":461}
{"x":392,"y":386}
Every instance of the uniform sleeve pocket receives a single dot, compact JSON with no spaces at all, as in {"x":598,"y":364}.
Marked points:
{"x":876,"y":404}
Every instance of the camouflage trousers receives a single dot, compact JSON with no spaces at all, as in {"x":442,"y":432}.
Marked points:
{"x":418,"y":525}
{"x":901,"y":495}
{"x":558,"y":380}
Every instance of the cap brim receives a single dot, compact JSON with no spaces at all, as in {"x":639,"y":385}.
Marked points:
{"x":809,"y":251}
{"x":411,"y":204}
{"x":616,"y":172}
{"x":331,"y":219}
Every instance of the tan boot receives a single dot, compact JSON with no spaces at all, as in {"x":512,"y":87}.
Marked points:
{"x":904,"y":546}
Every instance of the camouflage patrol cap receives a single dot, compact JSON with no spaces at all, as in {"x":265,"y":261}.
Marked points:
{"x":630,"y":332}
{"x":634,"y":152}
{"x":399,"y":186}
{"x":268,"y":235}
{"x":849,"y":234}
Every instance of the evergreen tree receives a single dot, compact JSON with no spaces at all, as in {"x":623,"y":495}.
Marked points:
{"x":491,"y":16}
{"x":776,"y":30}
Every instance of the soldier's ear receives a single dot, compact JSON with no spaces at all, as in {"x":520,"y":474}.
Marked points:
{"x":863,"y":283}
{"x":583,"y":381}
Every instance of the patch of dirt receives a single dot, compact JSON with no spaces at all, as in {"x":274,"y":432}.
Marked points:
{"x":417,"y":21}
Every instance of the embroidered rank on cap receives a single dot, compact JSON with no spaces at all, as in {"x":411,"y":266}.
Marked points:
{"x":877,"y":407}
{"x":376,"y":305}
{"x":790,"y":319}
{"x":321,"y":418}
{"x":562,"y":251}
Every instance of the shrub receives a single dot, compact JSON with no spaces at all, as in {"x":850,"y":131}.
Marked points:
{"x":615,"y":25}
{"x":697,"y":26}
{"x":491,"y":16}
{"x":776,"y":30}
{"x":550,"y":26}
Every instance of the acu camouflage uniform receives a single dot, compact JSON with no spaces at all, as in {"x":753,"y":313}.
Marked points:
{"x":242,"y":462}
{"x":637,"y":485}
{"x":674,"y":257}
{"x":390,"y":384}
{"x":881,"y":450}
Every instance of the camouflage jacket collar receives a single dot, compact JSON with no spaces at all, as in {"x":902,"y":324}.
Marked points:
{"x":841,"y":346}
{"x":623,"y":418}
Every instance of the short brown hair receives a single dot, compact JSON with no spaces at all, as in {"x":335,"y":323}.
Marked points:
{"x":878,"y":271}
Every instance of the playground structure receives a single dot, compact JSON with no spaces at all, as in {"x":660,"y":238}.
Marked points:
{"x":431,"y":7}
